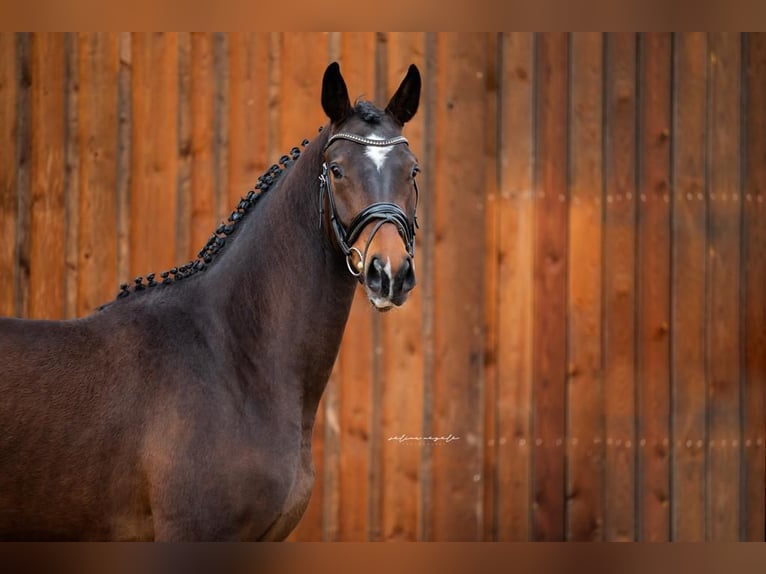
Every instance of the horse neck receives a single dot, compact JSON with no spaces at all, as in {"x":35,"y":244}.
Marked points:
{"x":282,"y":290}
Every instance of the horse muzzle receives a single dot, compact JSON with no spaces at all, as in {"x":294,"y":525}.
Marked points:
{"x":388,"y":286}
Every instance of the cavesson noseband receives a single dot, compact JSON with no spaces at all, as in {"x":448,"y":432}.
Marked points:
{"x":384,"y":212}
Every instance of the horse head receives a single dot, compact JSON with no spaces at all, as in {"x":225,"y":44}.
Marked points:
{"x":368,"y":187}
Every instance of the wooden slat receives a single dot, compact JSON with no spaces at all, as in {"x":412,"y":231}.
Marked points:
{"x":298,"y":62}
{"x":221,"y":128}
{"x":71,"y":174}
{"x":97,"y":138}
{"x":620,"y":287}
{"x":186,"y":96}
{"x":248,"y":112}
{"x":123,"y":161}
{"x":653,"y":294}
{"x":24,"y":63}
{"x":153,"y":185}
{"x":48,"y":206}
{"x":402,"y":338}
{"x":515,"y":286}
{"x":550,"y":287}
{"x":204,"y":213}
{"x":458,"y":294}
{"x":426,"y":271}
{"x":754,"y":311}
{"x":8,"y":169}
{"x":689,"y":270}
{"x":585,"y":472}
{"x":723,"y":276}
{"x":491,"y":270}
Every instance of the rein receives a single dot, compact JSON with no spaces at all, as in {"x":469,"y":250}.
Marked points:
{"x":383,"y":211}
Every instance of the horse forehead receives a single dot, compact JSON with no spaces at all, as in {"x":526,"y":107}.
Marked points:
{"x":377,"y":154}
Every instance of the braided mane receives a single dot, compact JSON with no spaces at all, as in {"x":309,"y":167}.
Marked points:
{"x":218,"y":239}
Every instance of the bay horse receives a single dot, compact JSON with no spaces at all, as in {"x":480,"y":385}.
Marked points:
{"x":184,"y":409}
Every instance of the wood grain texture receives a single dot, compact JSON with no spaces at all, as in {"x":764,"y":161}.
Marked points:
{"x":9,"y":203}
{"x":619,"y":275}
{"x":550,"y":287}
{"x":154,"y":153}
{"x":491,"y":294}
{"x":458,"y":295}
{"x":653,"y":288}
{"x":585,"y":458}
{"x":48,"y":186}
{"x":723,"y":360}
{"x":515,"y":286}
{"x":754,"y":277}
{"x":97,"y":139}
{"x":248,"y":112}
{"x":689,"y":287}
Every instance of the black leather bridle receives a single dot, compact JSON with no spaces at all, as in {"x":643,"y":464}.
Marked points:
{"x":384,"y":212}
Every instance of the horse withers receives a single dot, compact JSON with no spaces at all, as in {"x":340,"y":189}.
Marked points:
{"x":184,"y":409}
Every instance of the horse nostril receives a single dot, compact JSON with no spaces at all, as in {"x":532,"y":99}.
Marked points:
{"x":376,"y":276}
{"x":407,"y":275}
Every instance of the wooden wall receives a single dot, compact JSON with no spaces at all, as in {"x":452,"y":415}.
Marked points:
{"x":590,"y":319}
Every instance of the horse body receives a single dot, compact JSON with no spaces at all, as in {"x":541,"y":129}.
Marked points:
{"x":183,"y":411}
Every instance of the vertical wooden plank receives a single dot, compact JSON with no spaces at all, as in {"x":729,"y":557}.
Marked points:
{"x":48,"y":205}
{"x":71,"y":174}
{"x":754,"y":277}
{"x":491,"y":251}
{"x":725,"y":444}
{"x":515,"y":283}
{"x":550,"y":285}
{"x":97,"y":139}
{"x":458,"y":269}
{"x":248,"y":112}
{"x":9,"y":204}
{"x":689,"y":273}
{"x":620,"y":287}
{"x":24,"y":62}
{"x":186,"y":96}
{"x":153,"y":190}
{"x":297,"y":62}
{"x":402,"y":338}
{"x":430,"y":98}
{"x":221,"y":80}
{"x":585,"y":472}
{"x":123,"y":160}
{"x":204,"y":214}
{"x":653,"y":272}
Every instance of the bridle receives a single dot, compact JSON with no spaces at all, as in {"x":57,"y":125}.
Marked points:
{"x":384,"y":211}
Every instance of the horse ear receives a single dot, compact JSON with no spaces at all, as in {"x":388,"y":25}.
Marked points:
{"x":404,"y":103}
{"x":335,"y":100}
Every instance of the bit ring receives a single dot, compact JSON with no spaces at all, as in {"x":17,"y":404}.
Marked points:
{"x":355,"y":271}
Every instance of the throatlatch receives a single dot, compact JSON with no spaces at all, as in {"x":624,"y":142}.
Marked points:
{"x":384,"y":212}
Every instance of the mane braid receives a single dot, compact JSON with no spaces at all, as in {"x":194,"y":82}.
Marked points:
{"x":217,"y":240}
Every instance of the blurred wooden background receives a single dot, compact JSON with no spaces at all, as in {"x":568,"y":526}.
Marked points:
{"x":590,"y":319}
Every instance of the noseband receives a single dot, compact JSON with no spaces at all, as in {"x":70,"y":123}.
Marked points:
{"x":384,"y":212}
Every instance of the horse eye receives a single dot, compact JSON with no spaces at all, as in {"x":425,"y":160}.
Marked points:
{"x":336,"y":171}
{"x":415,"y":171}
